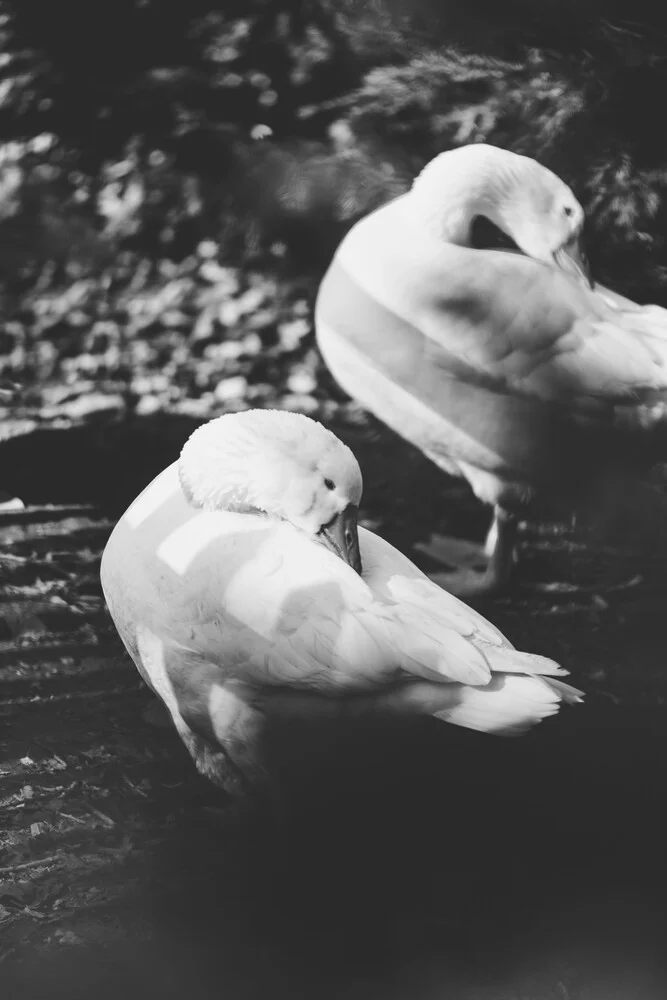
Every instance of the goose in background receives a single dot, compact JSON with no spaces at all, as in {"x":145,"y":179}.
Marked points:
{"x":508,"y":369}
{"x":241,"y":586}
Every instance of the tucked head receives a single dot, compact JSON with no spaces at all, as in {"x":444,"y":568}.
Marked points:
{"x":282,"y":464}
{"x":523,"y":198}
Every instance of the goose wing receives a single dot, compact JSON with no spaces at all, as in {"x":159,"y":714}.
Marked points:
{"x":263,"y":603}
{"x":498,"y":321}
{"x":428,"y":608}
{"x":214,"y":607}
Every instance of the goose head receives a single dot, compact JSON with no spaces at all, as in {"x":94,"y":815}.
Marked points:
{"x":280,"y":464}
{"x":524,"y":199}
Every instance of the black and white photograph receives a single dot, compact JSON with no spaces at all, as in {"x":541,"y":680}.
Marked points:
{"x":333,"y":500}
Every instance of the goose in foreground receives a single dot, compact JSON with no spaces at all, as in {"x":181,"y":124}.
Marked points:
{"x":508,"y":369}
{"x":241,"y":585}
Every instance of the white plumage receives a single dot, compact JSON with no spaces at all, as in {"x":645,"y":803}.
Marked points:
{"x":504,"y":368}
{"x":225,"y":611}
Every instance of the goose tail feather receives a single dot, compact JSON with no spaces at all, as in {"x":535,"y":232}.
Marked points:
{"x":508,"y":706}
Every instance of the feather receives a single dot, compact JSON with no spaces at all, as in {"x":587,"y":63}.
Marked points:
{"x":500,"y":367}
{"x":243,"y":600}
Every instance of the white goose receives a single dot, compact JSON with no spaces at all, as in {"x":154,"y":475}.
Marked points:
{"x":506,"y":369}
{"x":235,"y":581}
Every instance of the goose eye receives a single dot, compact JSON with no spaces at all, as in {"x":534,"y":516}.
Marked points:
{"x":329,"y":483}
{"x":569,"y":210}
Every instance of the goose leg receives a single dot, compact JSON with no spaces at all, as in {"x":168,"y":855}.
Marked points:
{"x":224,"y":733}
{"x":476,"y":569}
{"x":254,"y":801}
{"x":500,"y":549}
{"x":210,"y":760}
{"x":221,"y":724}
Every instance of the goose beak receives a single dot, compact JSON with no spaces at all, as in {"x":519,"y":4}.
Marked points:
{"x":341,"y":536}
{"x":572,"y":259}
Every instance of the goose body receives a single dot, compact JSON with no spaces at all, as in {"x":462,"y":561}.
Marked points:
{"x":501,"y":367}
{"x":228,"y":612}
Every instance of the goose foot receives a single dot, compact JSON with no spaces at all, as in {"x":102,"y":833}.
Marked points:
{"x":467,"y":564}
{"x":465,"y":583}
{"x":474,"y":569}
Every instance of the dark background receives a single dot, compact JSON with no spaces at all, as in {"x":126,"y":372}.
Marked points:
{"x":173,"y":180}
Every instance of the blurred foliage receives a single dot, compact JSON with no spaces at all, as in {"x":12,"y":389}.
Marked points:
{"x":192,"y":338}
{"x":148,"y":118}
{"x":134,"y":133}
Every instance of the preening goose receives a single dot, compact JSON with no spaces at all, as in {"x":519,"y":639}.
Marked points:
{"x":240,"y":585}
{"x":507,"y":369}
